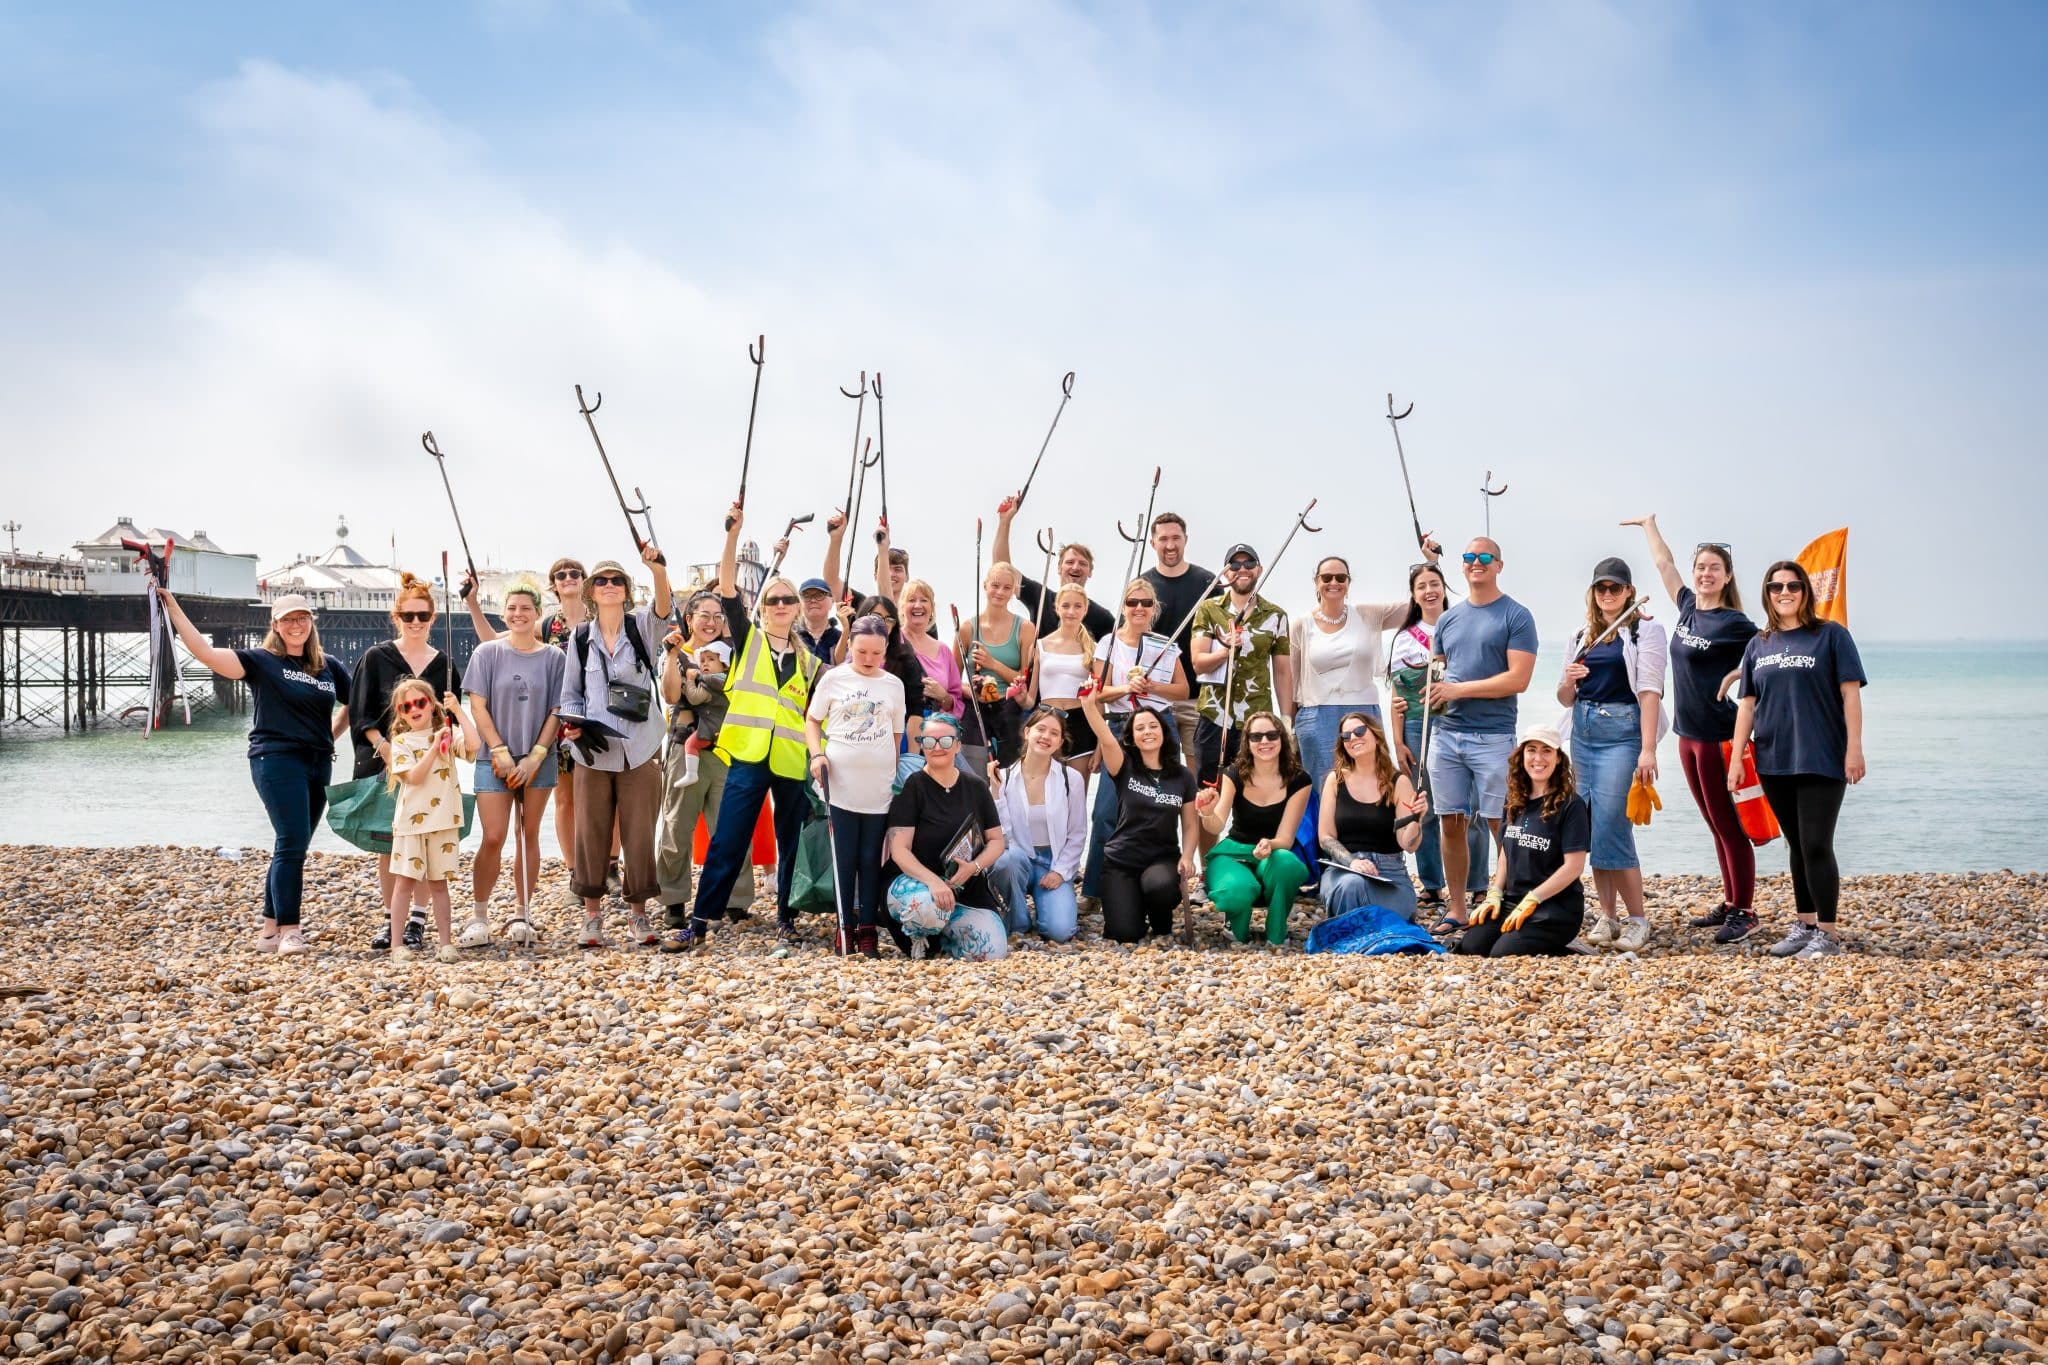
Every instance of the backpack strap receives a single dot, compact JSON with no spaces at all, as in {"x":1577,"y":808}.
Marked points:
{"x":632,"y":638}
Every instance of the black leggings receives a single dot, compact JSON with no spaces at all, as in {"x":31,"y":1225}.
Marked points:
{"x":1807,"y":806}
{"x":1138,"y":899}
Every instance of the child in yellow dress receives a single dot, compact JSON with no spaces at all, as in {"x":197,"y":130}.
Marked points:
{"x":426,"y":739}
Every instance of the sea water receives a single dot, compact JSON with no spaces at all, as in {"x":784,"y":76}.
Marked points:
{"x":1954,"y":734}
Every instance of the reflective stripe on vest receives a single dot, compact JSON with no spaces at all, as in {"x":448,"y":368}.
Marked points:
{"x":763,"y":721}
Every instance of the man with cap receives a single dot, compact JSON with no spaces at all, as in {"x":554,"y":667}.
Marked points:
{"x":815,"y":627}
{"x":1254,"y":630}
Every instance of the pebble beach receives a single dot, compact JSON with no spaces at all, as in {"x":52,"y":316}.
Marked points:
{"x":1083,"y":1153}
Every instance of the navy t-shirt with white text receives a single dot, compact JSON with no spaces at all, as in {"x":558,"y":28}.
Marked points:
{"x":1796,"y":677}
{"x":1706,"y":646}
{"x":294,"y":708}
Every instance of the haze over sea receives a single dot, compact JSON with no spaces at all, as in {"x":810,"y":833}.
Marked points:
{"x":1954,"y":734}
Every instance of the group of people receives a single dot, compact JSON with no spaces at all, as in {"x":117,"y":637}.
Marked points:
{"x":1370,"y":756}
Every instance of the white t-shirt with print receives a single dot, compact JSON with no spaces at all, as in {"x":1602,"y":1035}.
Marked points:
{"x":861,"y":717}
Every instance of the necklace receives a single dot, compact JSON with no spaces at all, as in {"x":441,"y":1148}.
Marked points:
{"x":1336,"y":620}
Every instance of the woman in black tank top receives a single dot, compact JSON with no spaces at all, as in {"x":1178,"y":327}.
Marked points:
{"x":1371,"y":818}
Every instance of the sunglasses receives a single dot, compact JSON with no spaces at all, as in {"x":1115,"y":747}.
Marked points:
{"x":1606,"y":588}
{"x":416,"y":704}
{"x":1723,"y":546}
{"x":931,"y":742}
{"x":1333,"y":578}
{"x":781,"y":599}
{"x":1240,"y":565}
{"x":1265,"y":737}
{"x":1481,"y":558}
{"x":1355,"y":732}
{"x":1784,"y":589}
{"x":415,"y":616}
{"x":568,"y":575}
{"x":1140,"y":604}
{"x":608,"y":580}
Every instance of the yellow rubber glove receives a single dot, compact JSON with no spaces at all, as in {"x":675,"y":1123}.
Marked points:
{"x":1488,"y":908}
{"x":1642,"y":798}
{"x":1519,"y":916}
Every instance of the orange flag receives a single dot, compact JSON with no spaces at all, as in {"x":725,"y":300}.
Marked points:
{"x":1826,"y":562}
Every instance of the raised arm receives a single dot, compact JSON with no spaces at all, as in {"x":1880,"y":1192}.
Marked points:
{"x":835,"y":536}
{"x":1660,"y":554}
{"x":1105,"y":739}
{"x":729,"y":557}
{"x":221,"y":661}
{"x":473,"y":599}
{"x":664,"y":591}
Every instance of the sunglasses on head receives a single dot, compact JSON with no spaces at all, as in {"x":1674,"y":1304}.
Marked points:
{"x":568,"y":575}
{"x":780,"y":599}
{"x":1480,"y":558}
{"x":1263,"y":736}
{"x":1784,"y":587}
{"x":416,"y":616}
{"x":415,"y":704}
{"x":608,"y":580}
{"x":931,"y":742}
{"x":1333,"y":578}
{"x":1723,"y":546}
{"x":1140,"y":603}
{"x":1355,"y":732}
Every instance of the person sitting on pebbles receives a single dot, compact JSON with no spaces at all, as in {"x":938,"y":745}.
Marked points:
{"x":1546,"y":838}
{"x":945,"y":833}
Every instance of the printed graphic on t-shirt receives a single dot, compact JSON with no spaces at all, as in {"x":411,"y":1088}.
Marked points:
{"x":1535,"y":843}
{"x":294,"y":675}
{"x":1139,"y":786}
{"x":1786,"y":659}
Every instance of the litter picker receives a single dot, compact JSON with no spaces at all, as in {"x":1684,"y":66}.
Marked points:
{"x":758,"y":353}
{"x":441,"y":463}
{"x":589,"y":411}
{"x":1137,"y":542}
{"x":1066,"y":392}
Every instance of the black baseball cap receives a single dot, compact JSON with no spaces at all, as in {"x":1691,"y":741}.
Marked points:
{"x":1243,"y":550}
{"x":1613,"y":570}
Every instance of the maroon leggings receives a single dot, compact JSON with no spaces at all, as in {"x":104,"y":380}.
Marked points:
{"x":1706,"y":772}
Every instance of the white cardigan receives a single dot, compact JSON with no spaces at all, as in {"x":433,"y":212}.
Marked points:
{"x":1066,"y":812}
{"x":1357,"y":685}
{"x":1646,"y":651}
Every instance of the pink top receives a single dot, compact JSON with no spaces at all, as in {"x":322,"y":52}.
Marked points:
{"x":944,"y":670}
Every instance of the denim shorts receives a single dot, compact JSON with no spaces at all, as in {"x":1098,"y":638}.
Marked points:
{"x":487,"y":781}
{"x":1607,"y":739}
{"x":1468,"y":773}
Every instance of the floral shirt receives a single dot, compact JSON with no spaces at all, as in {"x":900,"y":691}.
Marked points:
{"x":1251,"y":677}
{"x":435,"y":804}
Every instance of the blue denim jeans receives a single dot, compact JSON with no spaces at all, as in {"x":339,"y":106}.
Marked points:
{"x":293,"y":789}
{"x":1607,"y":739}
{"x":1429,"y":855}
{"x":1315,"y":735}
{"x":1101,"y":824}
{"x":1016,"y":875}
{"x":1468,"y":772}
{"x":1343,"y":890}
{"x":747,"y":786}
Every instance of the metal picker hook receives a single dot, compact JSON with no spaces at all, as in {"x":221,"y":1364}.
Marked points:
{"x":862,"y":462}
{"x":757,"y":353}
{"x":1046,"y":542}
{"x":441,"y":463}
{"x":1489,"y":493}
{"x":1136,"y":563}
{"x":1066,"y":392}
{"x":881,"y":453}
{"x":588,"y":409}
{"x":1394,"y":421}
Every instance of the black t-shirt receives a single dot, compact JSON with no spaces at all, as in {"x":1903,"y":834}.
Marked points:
{"x":739,"y":624}
{"x":1536,"y":845}
{"x":1098,"y":620}
{"x":948,"y":826}
{"x":294,"y":708}
{"x":1177,"y":600}
{"x":1148,"y":807}
{"x":1251,"y":822}
{"x":1706,"y":646}
{"x":1606,"y":680}
{"x":381,"y":669}
{"x":1796,"y":677}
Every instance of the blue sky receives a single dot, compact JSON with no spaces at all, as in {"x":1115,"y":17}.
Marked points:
{"x":1765,"y":269}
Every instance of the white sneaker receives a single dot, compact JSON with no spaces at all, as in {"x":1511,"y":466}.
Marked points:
{"x":292,"y":943}
{"x":1634,"y":934}
{"x":1793,"y":942}
{"x":475,"y":934}
{"x":267,"y":943}
{"x":1603,"y":932}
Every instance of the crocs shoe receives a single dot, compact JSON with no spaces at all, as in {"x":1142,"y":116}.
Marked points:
{"x":519,"y":933}
{"x":447,"y":953}
{"x":475,"y":934}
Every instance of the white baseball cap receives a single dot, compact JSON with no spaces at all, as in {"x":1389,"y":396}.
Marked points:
{"x":281,"y":607}
{"x":1540,"y":734}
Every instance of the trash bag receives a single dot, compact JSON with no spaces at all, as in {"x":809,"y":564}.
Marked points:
{"x":1371,"y":930}
{"x":361,"y":812}
{"x":1306,"y":845}
{"x":810,"y":884}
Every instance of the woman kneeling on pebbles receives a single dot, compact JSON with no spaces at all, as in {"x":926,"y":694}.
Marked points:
{"x":1545,"y":839}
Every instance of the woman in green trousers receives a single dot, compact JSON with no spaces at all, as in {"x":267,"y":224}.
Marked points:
{"x":1262,"y":796}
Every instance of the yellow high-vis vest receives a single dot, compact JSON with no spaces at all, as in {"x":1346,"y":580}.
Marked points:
{"x":763,"y":721}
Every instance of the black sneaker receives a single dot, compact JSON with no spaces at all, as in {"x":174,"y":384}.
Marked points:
{"x":1740,"y":925}
{"x":382,"y":943}
{"x":415,"y":936}
{"x":787,"y":933}
{"x":1716,"y":917}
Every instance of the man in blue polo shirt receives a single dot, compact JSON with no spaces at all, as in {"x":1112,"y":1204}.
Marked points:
{"x":1486,"y":646}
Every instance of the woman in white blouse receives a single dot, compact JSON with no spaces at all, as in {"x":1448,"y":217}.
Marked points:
{"x":1337,"y":662}
{"x":1044,"y":805}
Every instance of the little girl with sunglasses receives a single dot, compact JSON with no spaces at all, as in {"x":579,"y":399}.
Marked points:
{"x":426,"y":831}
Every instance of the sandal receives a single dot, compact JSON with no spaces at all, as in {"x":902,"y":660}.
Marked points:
{"x":1447,"y":926}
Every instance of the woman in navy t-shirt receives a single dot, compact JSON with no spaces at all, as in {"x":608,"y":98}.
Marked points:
{"x":291,"y":744}
{"x":1706,"y":655}
{"x":1802,"y":700}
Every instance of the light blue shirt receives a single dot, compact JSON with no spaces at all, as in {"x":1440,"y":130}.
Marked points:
{"x":583,"y":694}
